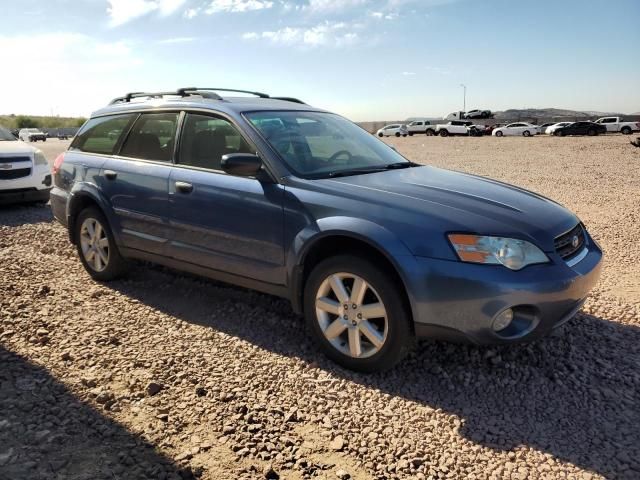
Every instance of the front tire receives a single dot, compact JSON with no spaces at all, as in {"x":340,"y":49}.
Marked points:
{"x":381,"y":135}
{"x":356,"y":314}
{"x":591,"y":132}
{"x":96,"y":246}
{"x":444,"y":133}
{"x":499,"y":134}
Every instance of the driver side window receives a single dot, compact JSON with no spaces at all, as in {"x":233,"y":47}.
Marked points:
{"x":206,"y":139}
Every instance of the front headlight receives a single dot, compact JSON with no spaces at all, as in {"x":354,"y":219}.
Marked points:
{"x":39,"y":158}
{"x":512,"y":253}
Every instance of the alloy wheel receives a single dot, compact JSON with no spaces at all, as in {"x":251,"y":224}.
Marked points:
{"x":351,"y":315}
{"x":94,"y":244}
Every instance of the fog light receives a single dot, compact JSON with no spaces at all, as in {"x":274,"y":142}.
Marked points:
{"x":503,"y":320}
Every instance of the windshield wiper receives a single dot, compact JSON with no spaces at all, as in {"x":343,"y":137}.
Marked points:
{"x":395,"y":166}
{"x":355,"y":171}
{"x":359,"y":171}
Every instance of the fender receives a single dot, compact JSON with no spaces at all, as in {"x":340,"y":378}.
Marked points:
{"x":366,"y":231}
{"x":81,"y":191}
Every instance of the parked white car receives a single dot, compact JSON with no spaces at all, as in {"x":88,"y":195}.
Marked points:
{"x":552,"y":128}
{"x":615,"y":124}
{"x":395,"y":129}
{"x":421,"y":126}
{"x":523,"y":129}
{"x":24,"y":171}
{"x":32,"y":135}
{"x":456,"y":127}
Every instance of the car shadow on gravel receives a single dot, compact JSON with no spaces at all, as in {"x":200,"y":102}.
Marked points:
{"x":573,"y":395}
{"x":48,"y":433}
{"x":20,"y":214}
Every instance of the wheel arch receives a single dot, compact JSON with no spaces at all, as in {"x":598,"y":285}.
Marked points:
{"x":364,"y":239}
{"x":82,"y":197}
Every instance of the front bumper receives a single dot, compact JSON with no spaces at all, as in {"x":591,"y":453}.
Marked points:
{"x":24,"y":195}
{"x":459,"y":301}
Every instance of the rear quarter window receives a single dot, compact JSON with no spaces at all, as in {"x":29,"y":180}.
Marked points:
{"x":101,"y":134}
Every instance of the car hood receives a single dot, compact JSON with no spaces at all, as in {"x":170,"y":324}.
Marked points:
{"x":438,"y":201}
{"x":13,"y":147}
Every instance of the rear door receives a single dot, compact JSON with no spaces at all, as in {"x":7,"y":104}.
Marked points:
{"x":136,"y":181}
{"x":219,"y":221}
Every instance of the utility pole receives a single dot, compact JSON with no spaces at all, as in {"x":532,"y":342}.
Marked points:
{"x":464,"y":97}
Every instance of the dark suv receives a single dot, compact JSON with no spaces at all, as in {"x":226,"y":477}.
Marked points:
{"x":275,"y":195}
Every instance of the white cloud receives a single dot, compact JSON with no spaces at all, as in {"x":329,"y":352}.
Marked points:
{"x":123,"y":11}
{"x":191,"y":13}
{"x":325,"y":34}
{"x":177,"y":40}
{"x":334,"y":5}
{"x":408,"y":74}
{"x":168,"y":7}
{"x":237,"y":6}
{"x":98,"y":63}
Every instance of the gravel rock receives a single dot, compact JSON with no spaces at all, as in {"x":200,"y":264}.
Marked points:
{"x":242,"y":389}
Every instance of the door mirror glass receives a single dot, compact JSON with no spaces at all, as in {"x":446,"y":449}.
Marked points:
{"x":241,"y":164}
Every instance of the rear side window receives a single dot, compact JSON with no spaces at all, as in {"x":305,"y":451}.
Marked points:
{"x":152,"y":137}
{"x":206,"y":139}
{"x":101,"y":134}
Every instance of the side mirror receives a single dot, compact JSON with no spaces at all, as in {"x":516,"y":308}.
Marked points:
{"x":241,"y":164}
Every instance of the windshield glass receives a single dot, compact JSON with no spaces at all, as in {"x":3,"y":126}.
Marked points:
{"x":317,"y":145}
{"x":5,"y":135}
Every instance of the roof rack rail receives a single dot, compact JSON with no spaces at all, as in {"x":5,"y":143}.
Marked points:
{"x":289,"y":99}
{"x":232,"y":90}
{"x":203,"y":92}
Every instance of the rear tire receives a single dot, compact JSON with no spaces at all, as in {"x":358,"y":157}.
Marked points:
{"x":430,"y":133}
{"x":526,"y":133}
{"x":391,"y":332}
{"x":98,"y":253}
{"x":625,"y":130}
{"x":397,"y":134}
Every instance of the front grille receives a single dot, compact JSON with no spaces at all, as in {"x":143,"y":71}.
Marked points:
{"x":14,"y":159}
{"x":567,"y":245}
{"x":13,"y":174}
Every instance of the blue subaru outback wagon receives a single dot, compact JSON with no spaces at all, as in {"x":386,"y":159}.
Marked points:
{"x":275,"y":195}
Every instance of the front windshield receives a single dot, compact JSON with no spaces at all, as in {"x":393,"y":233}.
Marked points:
{"x":317,"y":145}
{"x":6,"y":136}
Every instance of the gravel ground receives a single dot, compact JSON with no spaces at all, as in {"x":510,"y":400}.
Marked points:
{"x":168,"y":376}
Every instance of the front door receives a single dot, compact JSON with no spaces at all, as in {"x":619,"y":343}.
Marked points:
{"x":219,"y":221}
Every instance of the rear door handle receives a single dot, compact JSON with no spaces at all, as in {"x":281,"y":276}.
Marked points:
{"x":110,"y":174}
{"x":184,"y":187}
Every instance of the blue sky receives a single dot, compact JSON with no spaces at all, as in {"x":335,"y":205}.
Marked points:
{"x":366,"y":59}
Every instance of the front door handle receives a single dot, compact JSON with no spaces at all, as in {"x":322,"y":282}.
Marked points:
{"x":110,"y":174}
{"x":184,"y":187}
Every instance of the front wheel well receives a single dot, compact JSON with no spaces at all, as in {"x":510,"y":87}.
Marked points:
{"x":338,"y":245}
{"x":79,"y":204}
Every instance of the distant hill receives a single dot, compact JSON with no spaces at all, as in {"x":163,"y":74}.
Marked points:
{"x":547,"y":113}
